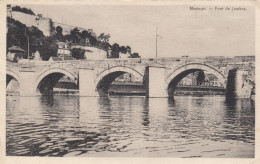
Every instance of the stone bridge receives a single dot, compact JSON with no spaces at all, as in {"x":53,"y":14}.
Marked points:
{"x":160,"y":76}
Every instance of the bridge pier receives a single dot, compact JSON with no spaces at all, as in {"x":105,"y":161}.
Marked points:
{"x":237,"y":86}
{"x":27,"y":83}
{"x":87,"y":85}
{"x":156,"y":85}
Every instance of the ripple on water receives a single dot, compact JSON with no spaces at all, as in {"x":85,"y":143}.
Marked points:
{"x":189,"y":127}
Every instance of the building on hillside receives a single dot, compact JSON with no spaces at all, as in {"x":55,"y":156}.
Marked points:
{"x":36,"y":56}
{"x":91,"y":32}
{"x":63,"y":50}
{"x":42,"y":23}
{"x":15,"y":54}
{"x":63,"y":53}
{"x":45,"y":24}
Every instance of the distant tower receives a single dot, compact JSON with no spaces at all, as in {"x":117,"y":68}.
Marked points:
{"x":9,"y":11}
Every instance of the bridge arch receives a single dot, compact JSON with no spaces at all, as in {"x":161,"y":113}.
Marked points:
{"x":106,"y":77}
{"x":11,"y":75}
{"x":178,"y":74}
{"x":49,"y":78}
{"x":12,"y":82}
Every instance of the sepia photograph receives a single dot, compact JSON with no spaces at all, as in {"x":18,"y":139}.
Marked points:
{"x":122,"y":80}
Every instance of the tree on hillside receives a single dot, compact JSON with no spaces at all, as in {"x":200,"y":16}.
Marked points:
{"x":47,"y":47}
{"x":78,"y":53}
{"x":84,"y":34}
{"x":75,"y":35}
{"x":59,"y":30}
{"x":106,"y":38}
{"x":107,"y":46}
{"x":92,"y":40}
{"x":115,"y":49}
{"x":128,"y":49}
{"x":87,"y":35}
{"x":101,"y":37}
{"x":59,"y":34}
{"x":23,"y":10}
{"x":18,"y":35}
{"x":123,"y":49}
{"x":33,"y":33}
{"x":135,"y":55}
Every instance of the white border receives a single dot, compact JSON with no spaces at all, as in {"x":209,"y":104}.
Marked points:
{"x":51,"y":160}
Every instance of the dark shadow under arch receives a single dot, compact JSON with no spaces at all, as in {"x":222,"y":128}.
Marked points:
{"x":9,"y":78}
{"x":172,"y":85}
{"x":46,"y":85}
{"x":12,"y":84}
{"x":103,"y":84}
{"x":178,"y":74}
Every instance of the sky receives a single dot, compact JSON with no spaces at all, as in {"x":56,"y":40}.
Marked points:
{"x":183,"y":32}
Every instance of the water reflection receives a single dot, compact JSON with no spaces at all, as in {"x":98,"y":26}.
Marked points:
{"x":240,"y":119}
{"x":130,"y":126}
{"x":145,"y":115}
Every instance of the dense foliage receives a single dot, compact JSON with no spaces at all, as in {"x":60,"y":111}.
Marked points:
{"x":88,"y":38}
{"x":23,"y":10}
{"x":19,"y":35}
{"x":77,"y":53}
{"x":47,"y":47}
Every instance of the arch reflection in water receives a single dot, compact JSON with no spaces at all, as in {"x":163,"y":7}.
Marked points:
{"x":129,"y":126}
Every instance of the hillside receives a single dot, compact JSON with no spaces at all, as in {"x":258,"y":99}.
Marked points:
{"x":43,"y":35}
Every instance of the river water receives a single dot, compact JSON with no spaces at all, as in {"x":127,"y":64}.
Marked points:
{"x":185,"y":126}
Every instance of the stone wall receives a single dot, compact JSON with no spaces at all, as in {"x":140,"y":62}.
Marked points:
{"x":44,"y":24}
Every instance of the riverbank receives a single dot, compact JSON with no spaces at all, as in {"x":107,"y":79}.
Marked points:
{"x":180,"y":90}
{"x":138,"y":89}
{"x":68,"y":88}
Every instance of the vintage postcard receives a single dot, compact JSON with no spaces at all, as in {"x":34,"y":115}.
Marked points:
{"x":150,"y":81}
